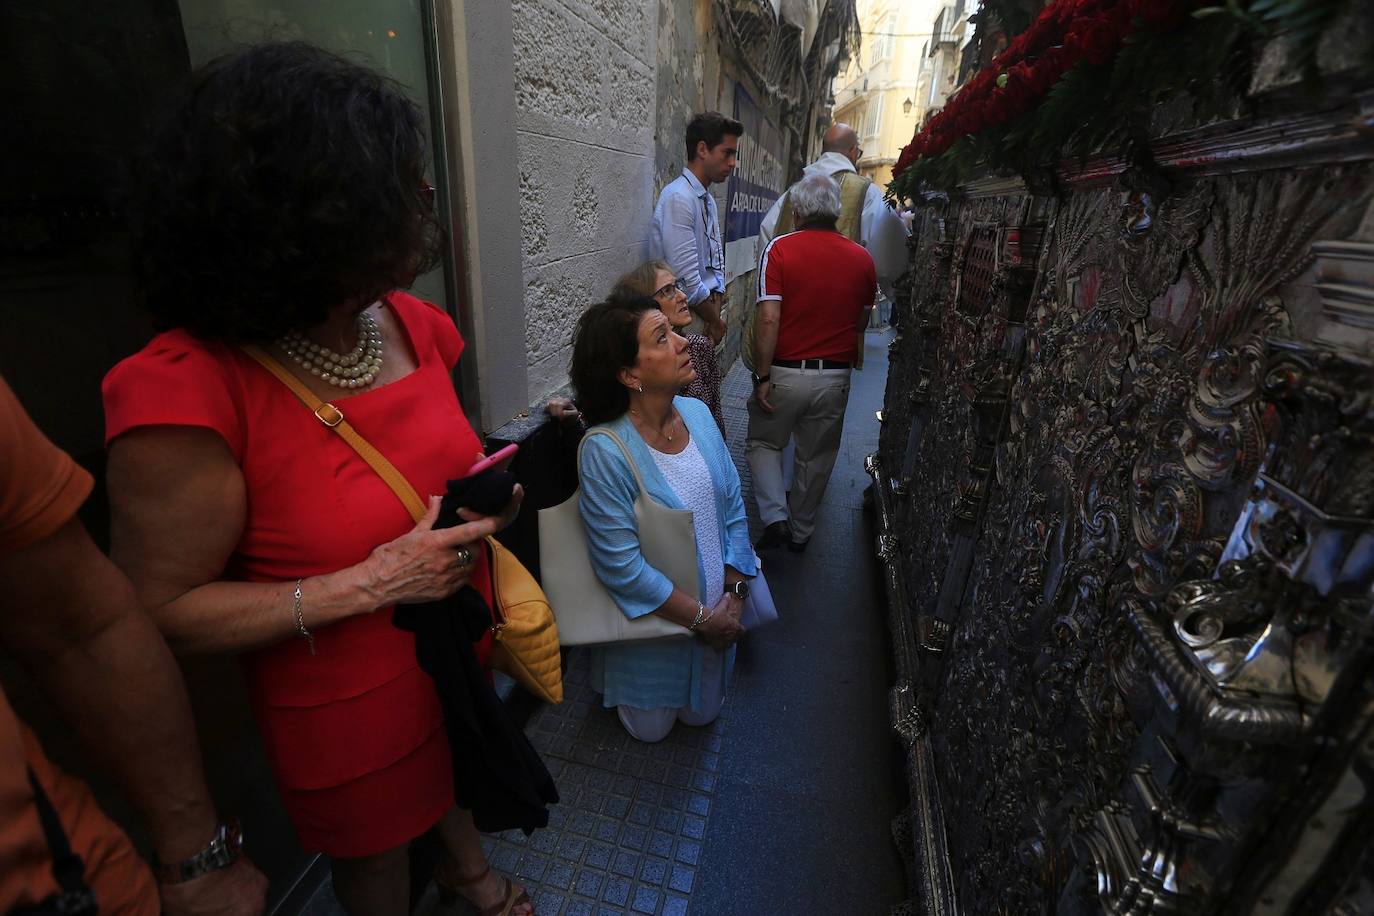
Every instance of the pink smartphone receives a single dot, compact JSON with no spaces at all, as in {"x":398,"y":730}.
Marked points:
{"x":499,"y":460}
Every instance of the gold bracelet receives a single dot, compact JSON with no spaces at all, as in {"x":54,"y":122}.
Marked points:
{"x":299,"y":614}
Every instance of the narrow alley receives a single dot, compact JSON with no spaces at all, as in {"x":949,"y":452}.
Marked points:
{"x":1086,"y":621}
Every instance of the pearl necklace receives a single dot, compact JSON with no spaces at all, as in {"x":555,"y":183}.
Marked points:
{"x":355,"y":369}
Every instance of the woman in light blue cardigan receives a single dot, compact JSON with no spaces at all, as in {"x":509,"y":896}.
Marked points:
{"x":627,"y":367}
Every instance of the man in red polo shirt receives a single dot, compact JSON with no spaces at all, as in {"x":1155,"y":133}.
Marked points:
{"x":815,"y":290}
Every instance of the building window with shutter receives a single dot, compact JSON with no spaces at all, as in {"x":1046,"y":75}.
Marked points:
{"x":884,"y":39}
{"x":873,"y":119}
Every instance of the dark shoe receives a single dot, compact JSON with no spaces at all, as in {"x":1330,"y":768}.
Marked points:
{"x":797,"y":546}
{"x":775,"y":535}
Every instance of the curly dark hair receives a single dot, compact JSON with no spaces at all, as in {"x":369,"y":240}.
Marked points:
{"x":606,"y":341}
{"x":285,"y":182}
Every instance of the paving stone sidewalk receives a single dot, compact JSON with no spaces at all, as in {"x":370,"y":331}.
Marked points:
{"x":627,"y":836}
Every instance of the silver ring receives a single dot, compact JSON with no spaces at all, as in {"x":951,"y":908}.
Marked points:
{"x":464,"y":556}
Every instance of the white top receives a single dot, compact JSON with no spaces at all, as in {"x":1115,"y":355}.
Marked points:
{"x":690,"y":479}
{"x":881,"y":230}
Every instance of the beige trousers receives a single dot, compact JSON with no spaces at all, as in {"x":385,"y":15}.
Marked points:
{"x":809,"y":405}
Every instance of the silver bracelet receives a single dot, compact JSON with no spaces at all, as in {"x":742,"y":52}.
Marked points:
{"x":703,"y":614}
{"x":300,"y":618}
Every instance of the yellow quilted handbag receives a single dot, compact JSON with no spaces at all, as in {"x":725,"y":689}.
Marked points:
{"x":526,"y":634}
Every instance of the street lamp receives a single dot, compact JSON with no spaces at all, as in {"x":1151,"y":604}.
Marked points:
{"x":906,"y":107}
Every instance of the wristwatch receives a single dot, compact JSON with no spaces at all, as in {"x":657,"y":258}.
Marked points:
{"x":760,"y":379}
{"x":740,"y":589}
{"x":222,"y":851}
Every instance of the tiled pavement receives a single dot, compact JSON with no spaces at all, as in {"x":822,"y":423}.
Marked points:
{"x":810,"y":777}
{"x":627,"y":836}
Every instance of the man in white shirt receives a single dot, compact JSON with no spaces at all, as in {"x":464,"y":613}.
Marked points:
{"x":686,"y":228}
{"x":881,"y":230}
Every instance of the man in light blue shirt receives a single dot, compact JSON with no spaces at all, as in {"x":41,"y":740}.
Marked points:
{"x":686,"y":230}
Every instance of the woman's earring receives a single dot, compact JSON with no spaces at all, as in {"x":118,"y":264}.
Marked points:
{"x":640,"y":389}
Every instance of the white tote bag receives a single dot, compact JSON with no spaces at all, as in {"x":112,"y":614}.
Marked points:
{"x":585,"y":611}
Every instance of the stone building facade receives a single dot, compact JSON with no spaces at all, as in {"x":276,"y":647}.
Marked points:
{"x":602,"y":92}
{"x":880,"y":93}
{"x":584,"y":101}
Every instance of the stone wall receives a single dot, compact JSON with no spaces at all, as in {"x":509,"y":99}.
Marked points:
{"x":584,"y":93}
{"x":603,"y":92}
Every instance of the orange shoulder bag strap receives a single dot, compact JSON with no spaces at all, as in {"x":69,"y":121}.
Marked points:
{"x":333,"y":417}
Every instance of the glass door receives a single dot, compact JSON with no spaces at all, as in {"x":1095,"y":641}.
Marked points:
{"x":386,"y":35}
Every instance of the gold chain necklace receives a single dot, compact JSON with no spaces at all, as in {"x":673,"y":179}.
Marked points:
{"x":672,"y":422}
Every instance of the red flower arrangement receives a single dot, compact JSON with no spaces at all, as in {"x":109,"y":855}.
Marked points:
{"x":1066,"y":33}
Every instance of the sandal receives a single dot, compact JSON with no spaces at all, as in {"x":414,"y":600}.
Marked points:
{"x":449,"y":892}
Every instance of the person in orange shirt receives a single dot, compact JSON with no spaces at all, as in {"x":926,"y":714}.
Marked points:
{"x":71,"y":617}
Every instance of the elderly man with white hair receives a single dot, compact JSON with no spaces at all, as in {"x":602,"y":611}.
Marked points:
{"x":815,"y":288}
{"x":865,"y":216}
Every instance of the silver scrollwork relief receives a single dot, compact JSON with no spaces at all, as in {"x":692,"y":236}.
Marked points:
{"x":1145,"y":496}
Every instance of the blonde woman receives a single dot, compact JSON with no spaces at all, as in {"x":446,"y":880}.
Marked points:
{"x":655,"y":280}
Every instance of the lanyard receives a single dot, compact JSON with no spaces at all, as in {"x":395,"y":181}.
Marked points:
{"x":712,"y":237}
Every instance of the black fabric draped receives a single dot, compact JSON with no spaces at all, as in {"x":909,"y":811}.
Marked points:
{"x":497,"y":774}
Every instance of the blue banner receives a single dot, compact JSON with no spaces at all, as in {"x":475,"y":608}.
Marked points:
{"x":756,"y":182}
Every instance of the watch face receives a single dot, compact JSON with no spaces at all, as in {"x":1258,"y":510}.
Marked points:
{"x":740,"y":589}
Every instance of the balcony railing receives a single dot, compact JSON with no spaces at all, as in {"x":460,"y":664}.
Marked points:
{"x":944,"y":31}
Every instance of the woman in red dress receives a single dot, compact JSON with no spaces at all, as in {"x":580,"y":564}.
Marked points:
{"x":282,"y":205}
